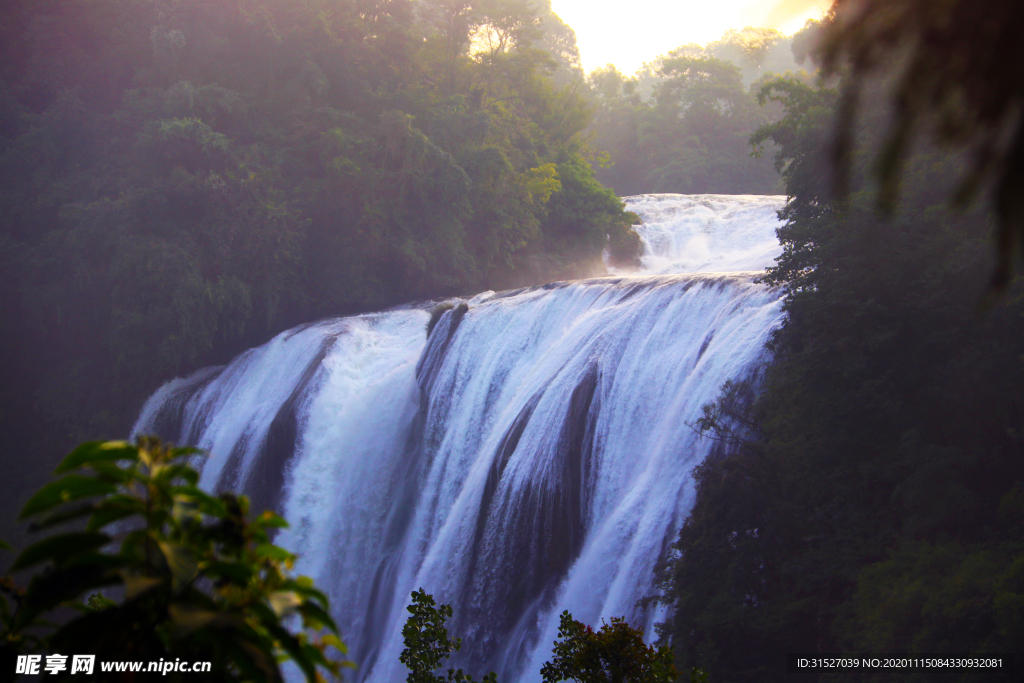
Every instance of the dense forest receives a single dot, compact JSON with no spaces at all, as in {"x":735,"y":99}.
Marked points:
{"x":183,"y":179}
{"x":682,"y":123}
{"x":868,"y":494}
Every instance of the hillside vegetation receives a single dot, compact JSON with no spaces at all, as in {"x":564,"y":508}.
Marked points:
{"x":870,"y":499}
{"x":184,"y":178}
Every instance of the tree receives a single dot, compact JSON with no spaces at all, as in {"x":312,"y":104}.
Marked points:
{"x":755,"y":50}
{"x":614,"y":654}
{"x":504,"y":25}
{"x":868,"y":498}
{"x":428,"y":645}
{"x":684,"y":125}
{"x":698,"y":129}
{"x":195,"y":577}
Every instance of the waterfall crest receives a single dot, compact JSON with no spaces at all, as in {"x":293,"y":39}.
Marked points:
{"x":532,"y":455}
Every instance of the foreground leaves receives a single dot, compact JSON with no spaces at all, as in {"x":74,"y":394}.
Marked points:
{"x":198,"y":579}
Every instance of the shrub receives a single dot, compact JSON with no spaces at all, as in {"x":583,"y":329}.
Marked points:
{"x":193,"y":576}
{"x":427,"y":643}
{"x":614,"y":654}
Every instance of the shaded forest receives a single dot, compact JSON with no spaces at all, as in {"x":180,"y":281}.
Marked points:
{"x":868,"y":492}
{"x":184,"y":179}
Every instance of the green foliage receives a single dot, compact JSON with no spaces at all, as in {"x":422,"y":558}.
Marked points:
{"x":427,"y":644}
{"x":868,"y":499}
{"x":188,"y":178}
{"x":755,"y":50}
{"x":195,"y":577}
{"x":691,"y":136}
{"x":682,"y":123}
{"x":614,"y":654}
{"x":582,"y":215}
{"x":799,"y":137}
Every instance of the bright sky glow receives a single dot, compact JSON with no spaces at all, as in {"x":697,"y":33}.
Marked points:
{"x":628,"y":33}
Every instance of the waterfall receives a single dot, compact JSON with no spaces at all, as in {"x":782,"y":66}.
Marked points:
{"x":532,"y":455}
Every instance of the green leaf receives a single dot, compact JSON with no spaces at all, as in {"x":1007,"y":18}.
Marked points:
{"x":236,"y":571}
{"x":184,"y":507}
{"x":264,"y":614}
{"x":313,"y":613}
{"x":182,"y":471}
{"x":180,"y":561}
{"x":274,"y":553}
{"x":283,"y":602}
{"x":210,"y":505}
{"x":134,"y":544}
{"x":306,"y":589}
{"x":254,"y":653}
{"x":60,"y":516}
{"x":335,"y":642}
{"x":189,"y":618}
{"x":135,"y":585}
{"x":98,"y":601}
{"x":95,"y":561}
{"x":69,"y":488}
{"x":293,"y":647}
{"x":271,"y":519}
{"x":114,"y":473}
{"x":59,"y":548}
{"x":4,"y":545}
{"x":313,"y":654}
{"x":101,"y":518}
{"x":186,"y":452}
{"x":49,"y":589}
{"x":98,"y":451}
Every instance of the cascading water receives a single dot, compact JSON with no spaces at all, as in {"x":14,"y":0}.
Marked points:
{"x":532,"y":455}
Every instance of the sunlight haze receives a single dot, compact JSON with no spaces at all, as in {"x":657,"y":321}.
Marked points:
{"x":627,"y":35}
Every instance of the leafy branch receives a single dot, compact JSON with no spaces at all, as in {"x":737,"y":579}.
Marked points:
{"x":195,"y":577}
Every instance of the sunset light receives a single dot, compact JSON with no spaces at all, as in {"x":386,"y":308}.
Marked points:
{"x":628,"y":36}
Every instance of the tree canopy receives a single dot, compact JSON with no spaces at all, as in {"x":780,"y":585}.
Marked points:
{"x":184,"y":179}
{"x":682,"y":123}
{"x":615,"y":653}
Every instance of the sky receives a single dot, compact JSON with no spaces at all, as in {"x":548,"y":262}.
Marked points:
{"x":607,"y":34}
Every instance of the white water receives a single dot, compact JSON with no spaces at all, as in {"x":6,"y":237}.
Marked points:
{"x":708,"y":232}
{"x":532,"y":458}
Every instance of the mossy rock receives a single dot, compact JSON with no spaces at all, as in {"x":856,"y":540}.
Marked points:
{"x":624,"y":245}
{"x":437,"y":311}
